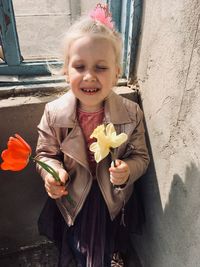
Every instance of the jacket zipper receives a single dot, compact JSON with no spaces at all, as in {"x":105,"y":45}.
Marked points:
{"x":99,"y":183}
{"x":79,"y":206}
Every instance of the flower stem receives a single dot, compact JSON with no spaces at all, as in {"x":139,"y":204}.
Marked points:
{"x":113,"y":156}
{"x":55,"y":175}
{"x":49,"y":169}
{"x":114,"y":163}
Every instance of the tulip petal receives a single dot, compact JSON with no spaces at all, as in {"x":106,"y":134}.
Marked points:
{"x":8,"y":157}
{"x":16,"y":156}
{"x":19,"y":143}
{"x":17,"y":166}
{"x":26,"y":145}
{"x":15,"y":142}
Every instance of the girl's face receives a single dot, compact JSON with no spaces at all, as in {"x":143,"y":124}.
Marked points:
{"x":92,"y":71}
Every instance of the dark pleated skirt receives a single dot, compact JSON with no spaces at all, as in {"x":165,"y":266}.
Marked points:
{"x":93,"y":239}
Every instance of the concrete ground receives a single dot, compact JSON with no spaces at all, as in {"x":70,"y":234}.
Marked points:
{"x":47,"y":256}
{"x":40,"y":256}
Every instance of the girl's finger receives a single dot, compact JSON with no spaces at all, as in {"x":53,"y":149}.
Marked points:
{"x":63,"y":175}
{"x":119,"y":176}
{"x":117,"y":181}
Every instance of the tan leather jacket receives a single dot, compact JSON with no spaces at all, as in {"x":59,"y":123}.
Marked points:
{"x":61,"y":144}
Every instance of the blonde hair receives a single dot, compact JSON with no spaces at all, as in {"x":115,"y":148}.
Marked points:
{"x":86,"y":25}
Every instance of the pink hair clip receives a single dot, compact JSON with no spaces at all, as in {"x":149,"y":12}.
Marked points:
{"x":102,"y":14}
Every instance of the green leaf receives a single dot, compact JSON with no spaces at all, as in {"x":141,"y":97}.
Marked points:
{"x":55,"y":175}
{"x":49,"y":169}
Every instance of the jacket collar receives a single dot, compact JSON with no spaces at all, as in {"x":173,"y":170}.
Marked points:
{"x":74,"y":144}
{"x":114,"y":111}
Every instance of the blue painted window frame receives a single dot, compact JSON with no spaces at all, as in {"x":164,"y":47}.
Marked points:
{"x":14,"y":63}
{"x":127,"y":17}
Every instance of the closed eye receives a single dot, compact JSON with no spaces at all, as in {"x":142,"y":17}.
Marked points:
{"x":101,"y":68}
{"x":79,"y":67}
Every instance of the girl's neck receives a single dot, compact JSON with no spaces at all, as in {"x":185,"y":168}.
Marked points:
{"x":90,"y":108}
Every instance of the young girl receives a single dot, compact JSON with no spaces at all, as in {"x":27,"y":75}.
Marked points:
{"x":94,"y":231}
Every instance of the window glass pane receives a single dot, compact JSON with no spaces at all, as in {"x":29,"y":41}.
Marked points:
{"x":40,"y":25}
{"x":88,"y":5}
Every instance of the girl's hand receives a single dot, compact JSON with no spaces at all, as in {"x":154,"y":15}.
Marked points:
{"x":55,"y":189}
{"x":119,"y":174}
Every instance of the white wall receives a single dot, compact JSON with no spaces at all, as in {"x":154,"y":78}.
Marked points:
{"x":168,"y":71}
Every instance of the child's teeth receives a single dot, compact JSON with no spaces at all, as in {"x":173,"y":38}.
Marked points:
{"x":90,"y":90}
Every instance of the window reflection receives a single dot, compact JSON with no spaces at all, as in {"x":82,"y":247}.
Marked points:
{"x":40,"y":25}
{"x":1,"y":51}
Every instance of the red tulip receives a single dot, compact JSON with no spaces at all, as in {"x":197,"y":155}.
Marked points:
{"x":16,"y":157}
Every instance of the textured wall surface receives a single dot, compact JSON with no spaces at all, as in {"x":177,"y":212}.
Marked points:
{"x":168,"y":71}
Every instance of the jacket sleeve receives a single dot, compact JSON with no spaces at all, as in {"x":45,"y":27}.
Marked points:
{"x":48,"y":146}
{"x":137,"y":156}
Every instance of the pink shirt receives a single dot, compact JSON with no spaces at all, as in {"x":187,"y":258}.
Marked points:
{"x":88,"y":122}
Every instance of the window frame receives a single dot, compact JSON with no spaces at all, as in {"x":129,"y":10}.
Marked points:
{"x":126,"y":14}
{"x":14,"y":63}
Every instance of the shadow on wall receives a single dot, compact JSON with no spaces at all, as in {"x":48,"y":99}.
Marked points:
{"x":148,"y":195}
{"x":181,"y":216}
{"x":170,"y":236}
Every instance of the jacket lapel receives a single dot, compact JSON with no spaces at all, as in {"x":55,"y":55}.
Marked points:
{"x":74,"y":146}
{"x":115,"y":112}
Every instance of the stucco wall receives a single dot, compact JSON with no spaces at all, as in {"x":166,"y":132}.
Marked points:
{"x":168,"y":71}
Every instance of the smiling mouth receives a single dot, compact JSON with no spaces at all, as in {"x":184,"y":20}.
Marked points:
{"x":90,"y":90}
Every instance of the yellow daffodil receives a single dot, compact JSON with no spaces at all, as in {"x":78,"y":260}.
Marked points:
{"x":107,"y":139}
